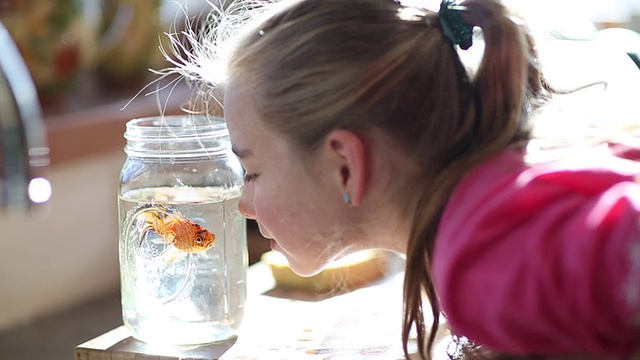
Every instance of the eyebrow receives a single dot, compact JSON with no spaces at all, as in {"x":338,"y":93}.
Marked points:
{"x":242,"y":153}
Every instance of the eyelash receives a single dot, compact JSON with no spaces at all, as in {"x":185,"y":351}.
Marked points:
{"x":248,"y":177}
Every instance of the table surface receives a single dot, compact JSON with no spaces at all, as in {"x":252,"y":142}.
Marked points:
{"x":285,"y":324}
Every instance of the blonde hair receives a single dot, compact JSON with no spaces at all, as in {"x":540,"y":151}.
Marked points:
{"x":363,"y":65}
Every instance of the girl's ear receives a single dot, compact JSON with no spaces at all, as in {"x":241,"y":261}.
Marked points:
{"x":347,"y":153}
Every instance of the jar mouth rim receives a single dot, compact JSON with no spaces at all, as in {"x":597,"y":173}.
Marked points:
{"x":175,"y":126}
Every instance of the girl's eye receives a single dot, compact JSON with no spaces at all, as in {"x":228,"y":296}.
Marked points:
{"x":249,"y":177}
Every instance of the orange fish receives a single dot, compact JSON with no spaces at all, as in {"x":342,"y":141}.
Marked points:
{"x":174,"y":228}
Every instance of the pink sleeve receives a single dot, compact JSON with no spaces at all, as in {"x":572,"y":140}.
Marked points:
{"x":541,"y":260}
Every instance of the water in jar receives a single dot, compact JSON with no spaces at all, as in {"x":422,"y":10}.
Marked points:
{"x":175,"y":297}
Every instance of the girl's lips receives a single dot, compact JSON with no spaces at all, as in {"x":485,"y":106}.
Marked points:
{"x":272,"y":243}
{"x":262,"y":232}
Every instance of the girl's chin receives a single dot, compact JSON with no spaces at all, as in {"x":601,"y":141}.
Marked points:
{"x":302,"y":267}
{"x":305,"y":270}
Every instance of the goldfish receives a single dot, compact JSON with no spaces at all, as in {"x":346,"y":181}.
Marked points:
{"x":172,"y":227}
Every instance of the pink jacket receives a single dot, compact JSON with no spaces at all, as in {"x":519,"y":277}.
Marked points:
{"x":543,"y":259}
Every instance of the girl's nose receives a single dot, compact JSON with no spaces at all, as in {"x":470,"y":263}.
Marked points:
{"x":246,"y":203}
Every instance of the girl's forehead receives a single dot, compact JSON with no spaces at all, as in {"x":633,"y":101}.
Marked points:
{"x":239,"y":87}
{"x":249,"y":134}
{"x":239,"y":107}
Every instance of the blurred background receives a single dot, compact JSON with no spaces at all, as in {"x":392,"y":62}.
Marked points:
{"x":89,"y":60}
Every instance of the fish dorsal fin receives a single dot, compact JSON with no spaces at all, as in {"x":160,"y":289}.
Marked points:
{"x":152,"y":205}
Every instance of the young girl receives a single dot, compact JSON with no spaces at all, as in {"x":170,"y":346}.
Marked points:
{"x":359,"y":127}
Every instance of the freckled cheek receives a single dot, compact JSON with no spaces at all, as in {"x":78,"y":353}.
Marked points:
{"x":261,"y":206}
{"x":269,"y":211}
{"x":258,"y":204}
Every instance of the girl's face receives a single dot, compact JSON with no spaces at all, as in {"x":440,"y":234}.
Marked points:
{"x":298,"y":206}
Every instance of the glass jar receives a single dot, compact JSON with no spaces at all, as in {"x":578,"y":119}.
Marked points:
{"x":179,"y":183}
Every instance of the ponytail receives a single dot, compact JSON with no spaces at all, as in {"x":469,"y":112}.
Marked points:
{"x":503,"y":77}
{"x":505,"y":89}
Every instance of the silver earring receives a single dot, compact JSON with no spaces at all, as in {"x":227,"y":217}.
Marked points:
{"x":346,"y":198}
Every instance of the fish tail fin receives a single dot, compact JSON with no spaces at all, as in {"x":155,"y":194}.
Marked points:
{"x":149,"y":219}
{"x":145,"y":217}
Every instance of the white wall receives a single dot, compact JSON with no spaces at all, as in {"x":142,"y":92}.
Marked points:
{"x":71,"y":255}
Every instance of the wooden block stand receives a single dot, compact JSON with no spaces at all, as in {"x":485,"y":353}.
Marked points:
{"x":118,"y":344}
